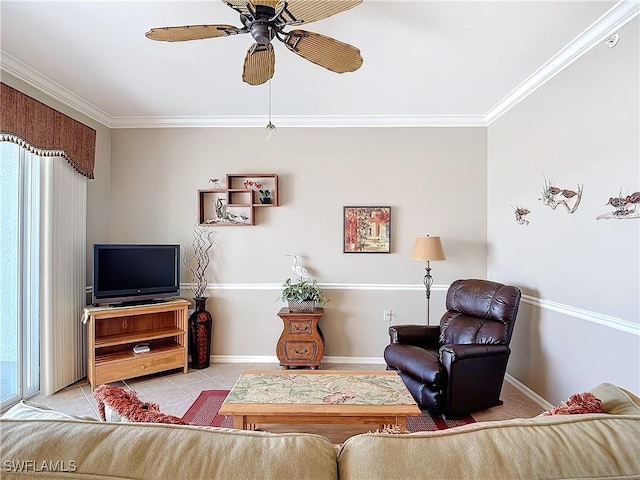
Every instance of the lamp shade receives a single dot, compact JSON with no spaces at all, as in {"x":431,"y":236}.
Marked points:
{"x":428,"y":248}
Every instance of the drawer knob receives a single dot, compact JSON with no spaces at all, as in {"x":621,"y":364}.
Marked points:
{"x":306,"y":327}
{"x":299,"y":352}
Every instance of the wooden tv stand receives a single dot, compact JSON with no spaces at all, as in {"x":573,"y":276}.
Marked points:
{"x":114,"y":331}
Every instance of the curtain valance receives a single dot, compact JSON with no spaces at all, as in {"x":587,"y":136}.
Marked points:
{"x":45,"y":131}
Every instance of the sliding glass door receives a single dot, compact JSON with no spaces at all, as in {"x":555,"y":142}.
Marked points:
{"x":19,"y":265}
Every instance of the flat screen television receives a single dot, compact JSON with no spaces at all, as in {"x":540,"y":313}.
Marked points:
{"x":130,"y":274}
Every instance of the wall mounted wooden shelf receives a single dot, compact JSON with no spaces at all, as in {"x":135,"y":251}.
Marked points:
{"x":234,"y":205}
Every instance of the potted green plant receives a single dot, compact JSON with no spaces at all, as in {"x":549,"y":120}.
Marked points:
{"x":302,"y":296}
{"x":265,"y":196}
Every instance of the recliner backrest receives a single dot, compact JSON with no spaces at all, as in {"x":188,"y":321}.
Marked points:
{"x":479,"y":311}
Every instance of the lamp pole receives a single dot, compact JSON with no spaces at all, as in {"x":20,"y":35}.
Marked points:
{"x":428,"y":281}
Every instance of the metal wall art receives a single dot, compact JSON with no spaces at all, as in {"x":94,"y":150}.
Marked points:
{"x":624,"y":207}
{"x":554,"y":196}
{"x":520,"y":214}
{"x":367,"y":230}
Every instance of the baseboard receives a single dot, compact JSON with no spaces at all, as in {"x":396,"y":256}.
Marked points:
{"x":274,"y":359}
{"x":528,"y":392}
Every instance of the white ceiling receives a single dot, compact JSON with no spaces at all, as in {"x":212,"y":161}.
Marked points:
{"x":425,"y":62}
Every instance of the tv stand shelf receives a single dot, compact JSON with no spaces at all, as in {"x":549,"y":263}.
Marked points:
{"x":114,"y":331}
{"x":138,"y":337}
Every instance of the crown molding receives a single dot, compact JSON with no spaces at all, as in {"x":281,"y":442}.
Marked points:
{"x":617,"y":16}
{"x":24,"y":72}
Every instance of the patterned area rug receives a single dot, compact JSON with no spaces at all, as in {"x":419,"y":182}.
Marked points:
{"x":204,"y":412}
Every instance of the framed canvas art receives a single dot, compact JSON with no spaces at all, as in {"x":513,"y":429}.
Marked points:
{"x":367,"y":230}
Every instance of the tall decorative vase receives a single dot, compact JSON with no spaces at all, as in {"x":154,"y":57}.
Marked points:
{"x":200,"y":323}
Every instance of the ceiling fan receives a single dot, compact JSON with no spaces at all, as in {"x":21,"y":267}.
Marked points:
{"x":265,"y":20}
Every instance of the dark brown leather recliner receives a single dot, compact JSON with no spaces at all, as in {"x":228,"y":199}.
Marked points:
{"x":458,"y":367}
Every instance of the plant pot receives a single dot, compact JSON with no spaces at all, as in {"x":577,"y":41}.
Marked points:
{"x":305,"y":306}
{"x":265,"y":200}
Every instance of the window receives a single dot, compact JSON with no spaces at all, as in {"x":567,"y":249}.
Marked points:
{"x":19,"y":278}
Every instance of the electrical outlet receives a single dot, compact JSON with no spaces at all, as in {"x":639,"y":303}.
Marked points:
{"x":388,"y":316}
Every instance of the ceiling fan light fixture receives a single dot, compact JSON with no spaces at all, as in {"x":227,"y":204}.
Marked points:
{"x":271,"y":128}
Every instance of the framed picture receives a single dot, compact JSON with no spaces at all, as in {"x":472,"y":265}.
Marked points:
{"x":367,"y":230}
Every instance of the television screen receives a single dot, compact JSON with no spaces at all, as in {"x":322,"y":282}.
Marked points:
{"x":135,"y":273}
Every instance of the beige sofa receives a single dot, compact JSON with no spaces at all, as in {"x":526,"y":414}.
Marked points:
{"x":37,"y":442}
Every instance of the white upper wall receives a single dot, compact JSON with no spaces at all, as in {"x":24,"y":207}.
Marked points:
{"x":580,"y":128}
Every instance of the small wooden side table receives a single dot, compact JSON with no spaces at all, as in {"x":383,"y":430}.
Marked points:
{"x":301,"y":343}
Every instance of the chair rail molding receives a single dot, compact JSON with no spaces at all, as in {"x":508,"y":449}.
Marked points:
{"x":587,"y":315}
{"x":593,"y":317}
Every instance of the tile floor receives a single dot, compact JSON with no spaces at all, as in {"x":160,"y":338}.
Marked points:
{"x":175,"y":391}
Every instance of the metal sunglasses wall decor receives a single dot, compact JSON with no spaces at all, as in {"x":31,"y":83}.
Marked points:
{"x":624,"y":207}
{"x":520,"y":214}
{"x":554,"y":196}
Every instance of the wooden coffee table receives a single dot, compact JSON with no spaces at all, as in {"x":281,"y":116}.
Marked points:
{"x":319,"y":397}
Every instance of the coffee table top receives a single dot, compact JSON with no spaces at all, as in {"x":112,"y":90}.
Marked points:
{"x":321,"y":387}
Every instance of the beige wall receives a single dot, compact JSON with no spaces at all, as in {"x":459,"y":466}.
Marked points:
{"x":98,"y":190}
{"x":581,"y":275}
{"x":433,"y":178}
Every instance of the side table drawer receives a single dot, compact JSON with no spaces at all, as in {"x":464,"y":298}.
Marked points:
{"x":297,"y":327}
{"x":296,"y":351}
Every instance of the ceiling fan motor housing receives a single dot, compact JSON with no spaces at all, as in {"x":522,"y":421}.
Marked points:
{"x":262,"y":32}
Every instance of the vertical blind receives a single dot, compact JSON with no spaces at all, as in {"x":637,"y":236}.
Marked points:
{"x":63,"y":258}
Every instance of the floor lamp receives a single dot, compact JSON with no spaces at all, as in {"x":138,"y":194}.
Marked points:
{"x":428,"y":249}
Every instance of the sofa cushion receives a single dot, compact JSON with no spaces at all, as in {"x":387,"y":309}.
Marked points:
{"x":563,"y":446}
{"x":30,"y":411}
{"x":160,"y":451}
{"x":617,"y":400}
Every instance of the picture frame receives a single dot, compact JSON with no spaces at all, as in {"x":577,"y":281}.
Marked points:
{"x":366,"y":229}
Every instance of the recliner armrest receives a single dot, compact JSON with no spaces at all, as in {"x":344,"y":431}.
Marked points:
{"x":464,"y":351}
{"x":418,"y":335}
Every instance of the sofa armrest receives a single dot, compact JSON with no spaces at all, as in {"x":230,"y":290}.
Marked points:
{"x":418,"y":335}
{"x":454,"y":353}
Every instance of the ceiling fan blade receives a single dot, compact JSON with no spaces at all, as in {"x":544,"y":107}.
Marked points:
{"x":248,"y":7}
{"x":192,"y":32}
{"x":239,"y":6}
{"x":297,"y":12}
{"x":259,"y":64}
{"x":325,"y":51}
{"x":266,"y":3}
